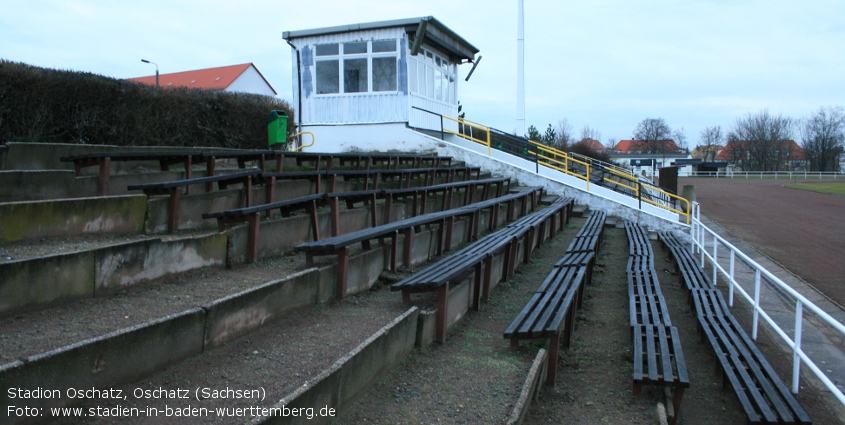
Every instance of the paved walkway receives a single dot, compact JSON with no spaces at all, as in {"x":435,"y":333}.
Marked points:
{"x":823,"y":344}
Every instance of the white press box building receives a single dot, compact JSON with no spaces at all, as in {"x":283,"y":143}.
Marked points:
{"x":364,"y":85}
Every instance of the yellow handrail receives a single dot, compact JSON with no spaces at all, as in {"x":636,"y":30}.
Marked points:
{"x":560,"y":160}
{"x":313,"y":140}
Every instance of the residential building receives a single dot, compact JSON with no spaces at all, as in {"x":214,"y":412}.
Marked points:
{"x":784,"y":155}
{"x":646,"y":157}
{"x":243,"y":78}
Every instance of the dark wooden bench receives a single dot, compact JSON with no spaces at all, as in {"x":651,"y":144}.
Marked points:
{"x":550,"y":313}
{"x":104,"y":160}
{"x":761,"y":393}
{"x":659,"y":360}
{"x":647,"y":306}
{"x":689,"y":269}
{"x":405,"y":176}
{"x":173,"y":189}
{"x":658,"y":357}
{"x":252,"y":215}
{"x":317,"y":159}
{"x":340,"y":245}
{"x":638,"y":242}
{"x":547,"y":221}
{"x":447,"y":189}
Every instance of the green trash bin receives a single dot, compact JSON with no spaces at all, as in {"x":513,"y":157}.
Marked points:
{"x":277,"y":127}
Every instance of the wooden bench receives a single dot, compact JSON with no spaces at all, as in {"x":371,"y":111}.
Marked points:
{"x":447,"y":189}
{"x":638,"y":242}
{"x":550,"y":313}
{"x":544,"y":222}
{"x":689,"y":269}
{"x":403,"y":176}
{"x":763,"y":396}
{"x":104,"y":160}
{"x":659,"y":360}
{"x":368,"y":160}
{"x":646,"y":303}
{"x":761,"y":393}
{"x":173,"y":189}
{"x":339,"y":245}
{"x":252,"y":215}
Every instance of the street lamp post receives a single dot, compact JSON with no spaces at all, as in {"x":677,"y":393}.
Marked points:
{"x":146,"y":61}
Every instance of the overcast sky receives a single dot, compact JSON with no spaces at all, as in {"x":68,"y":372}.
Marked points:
{"x":606,"y":64}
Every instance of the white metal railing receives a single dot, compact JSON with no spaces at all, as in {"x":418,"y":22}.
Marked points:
{"x":734,"y":174}
{"x":701,"y":234}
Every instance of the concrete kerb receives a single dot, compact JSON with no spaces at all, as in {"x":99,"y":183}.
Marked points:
{"x":349,"y":376}
{"x":103,"y":362}
{"x":531,"y":387}
{"x":240,"y":313}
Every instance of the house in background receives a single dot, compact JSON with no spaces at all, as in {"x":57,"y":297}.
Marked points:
{"x":783,"y":156}
{"x":363,"y":84}
{"x":243,"y":78}
{"x":642,"y":156}
{"x":592,"y":144}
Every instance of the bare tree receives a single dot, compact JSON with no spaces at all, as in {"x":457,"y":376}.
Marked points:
{"x":680,"y":138}
{"x":611,"y":142}
{"x":763,"y":140}
{"x":823,"y":137}
{"x":708,"y":140}
{"x":651,"y":135}
{"x":564,"y":135}
{"x":590,"y":133}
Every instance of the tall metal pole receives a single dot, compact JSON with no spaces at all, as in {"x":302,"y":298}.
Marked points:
{"x":520,"y":72}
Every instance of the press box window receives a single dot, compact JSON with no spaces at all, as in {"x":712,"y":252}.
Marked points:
{"x":363,"y":66}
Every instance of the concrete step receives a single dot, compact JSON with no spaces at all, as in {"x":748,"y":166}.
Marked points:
{"x":580,"y":210}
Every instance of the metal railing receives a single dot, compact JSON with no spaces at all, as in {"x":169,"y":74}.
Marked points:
{"x":301,"y":147}
{"x":579,"y":166}
{"x":701,"y":234}
{"x":731,"y":174}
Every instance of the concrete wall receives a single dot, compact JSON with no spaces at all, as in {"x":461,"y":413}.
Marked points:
{"x":118,"y":266}
{"x":67,"y":217}
{"x":240,"y":313}
{"x":60,"y":184}
{"x":102,"y":271}
{"x":46,"y":279}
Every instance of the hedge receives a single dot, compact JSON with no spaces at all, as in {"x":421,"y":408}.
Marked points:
{"x":47,"y":105}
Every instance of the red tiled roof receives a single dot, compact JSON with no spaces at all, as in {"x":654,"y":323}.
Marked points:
{"x":592,"y":144}
{"x":624,"y":146}
{"x":218,"y":78}
{"x":727,"y":153}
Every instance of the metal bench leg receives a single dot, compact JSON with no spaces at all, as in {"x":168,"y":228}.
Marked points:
{"x":409,"y":238}
{"x":335,"y":216}
{"x":442,"y":312}
{"x":394,"y":252}
{"x":551,"y":365}
{"x":173,"y":209}
{"x":449,"y":224}
{"x":105,"y":171}
{"x":311,"y":208}
{"x":477,"y":283}
{"x":676,"y":402}
{"x":485,"y":284}
{"x":342,"y":271}
{"x":252,"y":247}
{"x":209,"y":171}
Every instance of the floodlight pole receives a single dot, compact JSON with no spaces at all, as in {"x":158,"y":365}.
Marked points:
{"x":146,"y":61}
{"x":520,"y":72}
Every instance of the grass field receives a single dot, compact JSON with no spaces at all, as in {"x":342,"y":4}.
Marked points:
{"x":829,"y":188}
